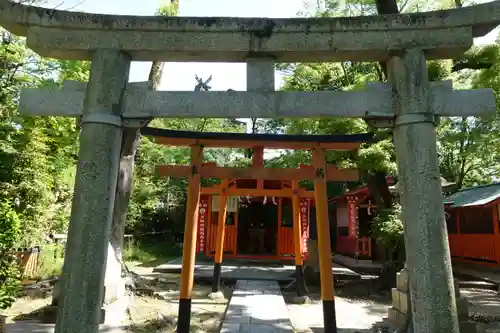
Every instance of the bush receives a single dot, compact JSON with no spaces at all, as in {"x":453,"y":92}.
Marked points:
{"x":50,"y":261}
{"x":388,"y":229}
{"x":10,"y":276}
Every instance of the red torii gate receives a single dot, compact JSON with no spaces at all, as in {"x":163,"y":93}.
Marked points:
{"x":320,"y":173}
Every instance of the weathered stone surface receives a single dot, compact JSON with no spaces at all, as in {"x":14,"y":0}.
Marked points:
{"x":301,"y":300}
{"x":396,"y":318}
{"x":402,"y":280}
{"x":63,"y":34}
{"x":463,"y":309}
{"x":139,"y":103}
{"x":395,"y":298}
{"x":216,"y":296}
{"x":403,"y":302}
{"x":87,"y":246}
{"x":444,"y":101}
{"x":260,"y":74}
{"x":468,"y":327}
{"x":426,"y":240}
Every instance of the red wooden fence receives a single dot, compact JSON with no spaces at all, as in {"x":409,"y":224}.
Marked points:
{"x":475,"y":246}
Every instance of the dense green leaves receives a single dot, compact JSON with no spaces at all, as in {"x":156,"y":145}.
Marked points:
{"x":388,"y":228}
{"x":10,"y":231}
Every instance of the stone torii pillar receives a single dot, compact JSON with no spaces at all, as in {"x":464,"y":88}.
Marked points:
{"x":90,"y":223}
{"x":426,"y":240}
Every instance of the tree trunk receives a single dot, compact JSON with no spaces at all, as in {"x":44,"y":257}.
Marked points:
{"x":130,"y":142}
{"x":379,"y":189}
{"x":377,"y":182}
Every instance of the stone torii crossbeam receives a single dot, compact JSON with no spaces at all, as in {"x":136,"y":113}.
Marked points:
{"x":107,"y":103}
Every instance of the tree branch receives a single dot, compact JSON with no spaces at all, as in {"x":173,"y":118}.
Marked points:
{"x":471,"y":64}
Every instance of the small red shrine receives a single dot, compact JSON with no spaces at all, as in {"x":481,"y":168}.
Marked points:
{"x":473,"y":223}
{"x":259,"y":227}
{"x":354,"y":212}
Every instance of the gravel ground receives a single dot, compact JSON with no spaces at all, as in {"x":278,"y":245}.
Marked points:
{"x":484,"y":308}
{"x":354,"y":313}
{"x":153,"y":309}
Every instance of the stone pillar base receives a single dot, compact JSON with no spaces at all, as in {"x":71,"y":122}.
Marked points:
{"x":111,"y":314}
{"x":113,"y":310}
{"x":401,"y":305}
{"x":49,"y":315}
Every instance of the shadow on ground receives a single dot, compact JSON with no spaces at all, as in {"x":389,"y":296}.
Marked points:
{"x":168,"y":324}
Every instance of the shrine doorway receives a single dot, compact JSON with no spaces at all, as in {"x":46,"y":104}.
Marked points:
{"x":257,"y":227}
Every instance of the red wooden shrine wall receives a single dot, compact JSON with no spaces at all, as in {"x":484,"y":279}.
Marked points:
{"x":207,"y":232}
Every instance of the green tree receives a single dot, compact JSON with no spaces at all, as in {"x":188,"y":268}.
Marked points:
{"x":32,"y":150}
{"x":10,"y":279}
{"x":465,"y":145}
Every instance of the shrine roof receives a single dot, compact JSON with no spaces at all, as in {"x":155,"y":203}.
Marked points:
{"x":361,"y":190}
{"x":245,"y":140}
{"x":474,"y":196}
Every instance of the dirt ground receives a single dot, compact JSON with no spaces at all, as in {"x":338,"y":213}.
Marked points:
{"x":154,"y":305}
{"x":484,"y":309}
{"x":359,"y":309}
{"x":155,"y":308}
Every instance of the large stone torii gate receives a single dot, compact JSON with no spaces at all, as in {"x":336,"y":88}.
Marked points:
{"x":106,"y":104}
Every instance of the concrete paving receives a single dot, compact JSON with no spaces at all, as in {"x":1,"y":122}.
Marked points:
{"x":241,"y":270}
{"x":257,"y":306}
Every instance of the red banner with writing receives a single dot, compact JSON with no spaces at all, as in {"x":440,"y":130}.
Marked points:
{"x":202,"y":225}
{"x":352,"y":208}
{"x":304,"y":223}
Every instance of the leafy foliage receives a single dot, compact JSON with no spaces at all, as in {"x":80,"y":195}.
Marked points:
{"x":388,"y":228}
{"x":9,"y":270}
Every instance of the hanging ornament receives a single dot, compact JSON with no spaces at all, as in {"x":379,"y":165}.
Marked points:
{"x":239,"y":200}
{"x":274,"y":200}
{"x":369,"y":208}
{"x":248,"y":198}
{"x":265,"y":201}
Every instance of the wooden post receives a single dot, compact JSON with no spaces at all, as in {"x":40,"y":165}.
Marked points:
{"x":219,"y":249}
{"x":280,"y":217}
{"x":324,"y":249}
{"x":189,"y":250}
{"x":297,"y":240}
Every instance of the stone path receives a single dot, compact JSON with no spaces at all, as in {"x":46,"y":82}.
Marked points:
{"x":257,"y":306}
